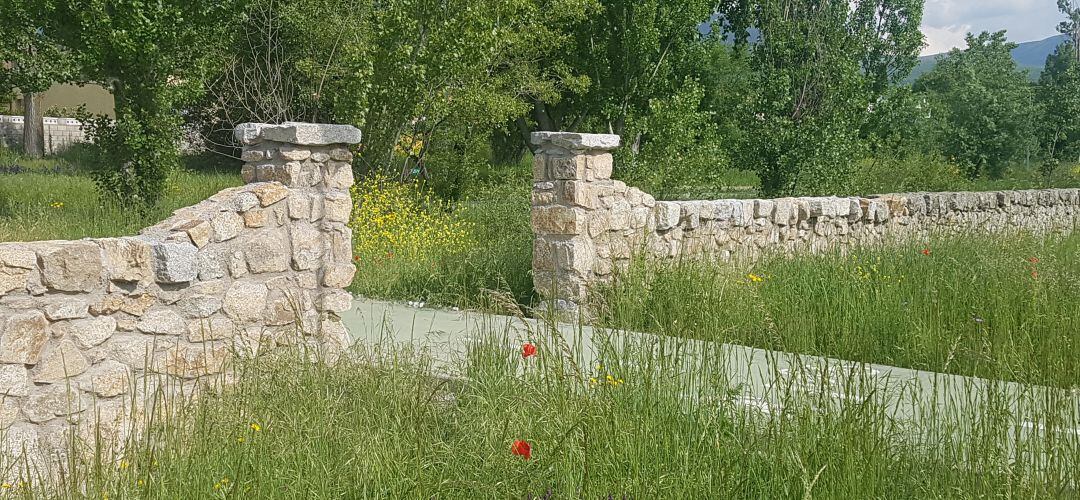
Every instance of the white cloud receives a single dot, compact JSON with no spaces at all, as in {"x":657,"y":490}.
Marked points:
{"x":945,"y":22}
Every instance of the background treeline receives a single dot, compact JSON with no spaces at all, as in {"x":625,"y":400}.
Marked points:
{"x":774,"y":96}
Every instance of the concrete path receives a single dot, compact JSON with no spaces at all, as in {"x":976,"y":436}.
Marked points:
{"x":760,"y":380}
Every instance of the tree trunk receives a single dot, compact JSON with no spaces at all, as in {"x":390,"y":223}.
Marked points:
{"x":33,"y":126}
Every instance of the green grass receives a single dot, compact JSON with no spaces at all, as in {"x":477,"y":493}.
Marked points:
{"x":382,"y":427}
{"x":974,"y":306}
{"x":43,"y":204}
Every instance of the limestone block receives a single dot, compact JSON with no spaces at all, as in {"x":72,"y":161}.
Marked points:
{"x":23,"y":337}
{"x":270,"y":193}
{"x":66,"y":309}
{"x":647,"y":200}
{"x":12,"y":279}
{"x":267,"y":251}
{"x":110,"y":378}
{"x":338,"y":275}
{"x":690,"y":216}
{"x":559,"y":220}
{"x":245,"y":301}
{"x":668,"y":214}
{"x":335,"y":301}
{"x":128,"y":259}
{"x":307,"y":246}
{"x":14,"y":381}
{"x":59,"y":361}
{"x":199,"y":231}
{"x":214,"y":328}
{"x":73,"y":266}
{"x":227,"y":225}
{"x":337,"y":206}
{"x":339,"y":175}
{"x":639,"y":218}
{"x":89,"y":332}
{"x":175,"y":262}
{"x":162,"y":321}
{"x":237,"y":264}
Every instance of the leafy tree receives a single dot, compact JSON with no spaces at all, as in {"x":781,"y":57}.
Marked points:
{"x":33,"y":62}
{"x":817,"y":66}
{"x":1071,"y":25}
{"x":987,"y":104}
{"x":154,"y":57}
{"x":1058,"y":95}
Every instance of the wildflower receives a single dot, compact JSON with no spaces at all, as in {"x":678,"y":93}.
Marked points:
{"x":256,"y":427}
{"x":522,"y":449}
{"x":141,"y":482}
{"x":1035,"y":275}
{"x":528,"y":349}
{"x":124,"y":464}
{"x":6,"y":486}
{"x":356,"y":258}
{"x":1033,"y":260}
{"x":240,"y":439}
{"x":57,"y":204}
{"x":925,"y":251}
{"x":592,"y":382}
{"x":754,"y":278}
{"x":389,"y":255}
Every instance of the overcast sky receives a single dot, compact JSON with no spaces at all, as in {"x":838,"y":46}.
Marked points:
{"x":945,"y":22}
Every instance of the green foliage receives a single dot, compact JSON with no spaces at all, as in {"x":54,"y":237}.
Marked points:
{"x":32,"y":59}
{"x":816,"y":69}
{"x":678,"y":145}
{"x":987,"y":105}
{"x":154,"y":56}
{"x":1058,"y":95}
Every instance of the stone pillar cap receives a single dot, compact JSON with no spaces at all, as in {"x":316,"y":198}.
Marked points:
{"x":299,"y":133}
{"x":576,"y":141}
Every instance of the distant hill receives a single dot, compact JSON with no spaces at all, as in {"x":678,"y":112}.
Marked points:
{"x":1028,"y":55}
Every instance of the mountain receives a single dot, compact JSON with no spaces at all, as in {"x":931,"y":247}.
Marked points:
{"x":1028,"y":55}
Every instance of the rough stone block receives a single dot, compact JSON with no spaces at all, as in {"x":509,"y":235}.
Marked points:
{"x":335,"y":301}
{"x":14,"y":381}
{"x":599,"y":166}
{"x":89,"y":332}
{"x":307,"y":246}
{"x":668,"y":214}
{"x":73,"y":266}
{"x":60,"y":361}
{"x":337,"y":206}
{"x":245,"y":301}
{"x":575,"y":141}
{"x":559,"y":220}
{"x":128,"y":259}
{"x":267,"y":251}
{"x":289,"y":152}
{"x":71,"y":308}
{"x":270,"y":193}
{"x":338,"y":275}
{"x":540,"y":171}
{"x":227,"y":225}
{"x":162,"y":321}
{"x":175,"y":262}
{"x":214,"y":328}
{"x":23,"y":337}
{"x":303,"y":134}
{"x":110,"y":378}
{"x":339,"y":175}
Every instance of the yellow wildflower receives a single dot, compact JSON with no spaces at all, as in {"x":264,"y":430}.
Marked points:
{"x":256,"y":427}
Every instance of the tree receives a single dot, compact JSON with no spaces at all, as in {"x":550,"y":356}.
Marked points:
{"x":33,"y":63}
{"x":154,"y":57}
{"x":1071,"y":25}
{"x":817,"y":67}
{"x":1058,"y":95}
{"x":987,"y":104}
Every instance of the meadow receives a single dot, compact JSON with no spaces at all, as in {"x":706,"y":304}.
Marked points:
{"x":377,"y":424}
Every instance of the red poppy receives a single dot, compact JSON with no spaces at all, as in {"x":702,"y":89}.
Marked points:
{"x":356,"y":258}
{"x":389,"y":255}
{"x":522,"y":449}
{"x":528,"y":349}
{"x":1035,"y":274}
{"x":1033,"y":260}
{"x":925,"y":251}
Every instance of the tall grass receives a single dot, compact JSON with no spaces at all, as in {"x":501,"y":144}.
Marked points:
{"x":57,"y":200}
{"x":1000,"y":307}
{"x":379,"y":425}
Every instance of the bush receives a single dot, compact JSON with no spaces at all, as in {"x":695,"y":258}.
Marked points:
{"x":132,"y":159}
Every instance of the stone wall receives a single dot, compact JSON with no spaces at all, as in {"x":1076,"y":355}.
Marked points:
{"x":59,"y":132}
{"x":587,"y":225}
{"x":93,"y":330}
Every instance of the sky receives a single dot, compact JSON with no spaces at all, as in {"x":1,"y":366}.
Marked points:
{"x":945,"y":22}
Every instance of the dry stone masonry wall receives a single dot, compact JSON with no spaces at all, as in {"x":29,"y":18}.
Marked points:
{"x":587,"y":225}
{"x":92,"y":330}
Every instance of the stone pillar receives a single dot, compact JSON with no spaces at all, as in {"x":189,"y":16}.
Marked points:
{"x":314,"y":162}
{"x":572,"y":189}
